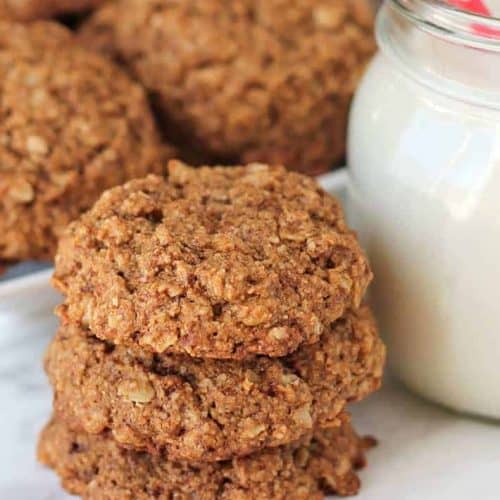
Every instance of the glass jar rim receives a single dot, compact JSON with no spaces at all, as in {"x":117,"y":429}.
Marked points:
{"x":447,"y":21}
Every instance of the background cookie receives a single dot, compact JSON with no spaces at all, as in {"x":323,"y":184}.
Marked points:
{"x":95,"y":467}
{"x":215,"y":262}
{"x":28,"y":10}
{"x":71,"y":125}
{"x":245,"y":80}
{"x":207,"y":410}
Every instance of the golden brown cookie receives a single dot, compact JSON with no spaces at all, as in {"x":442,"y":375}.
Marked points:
{"x":206,"y":410}
{"x":215,"y":262}
{"x":96,"y":468}
{"x":245,"y":80}
{"x":72,"y":124}
{"x":29,"y":10}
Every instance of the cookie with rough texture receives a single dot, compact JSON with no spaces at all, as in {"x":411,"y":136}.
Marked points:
{"x":72,"y":124}
{"x":196,"y":409}
{"x":213,"y":262}
{"x":29,"y":10}
{"x":245,"y":80}
{"x":96,"y":468}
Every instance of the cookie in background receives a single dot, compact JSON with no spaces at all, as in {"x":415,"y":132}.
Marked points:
{"x":72,"y":124}
{"x":247,"y":80}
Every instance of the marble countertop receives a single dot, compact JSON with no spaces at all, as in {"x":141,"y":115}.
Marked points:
{"x":424,"y":451}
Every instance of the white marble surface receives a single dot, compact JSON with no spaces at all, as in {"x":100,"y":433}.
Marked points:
{"x":25,"y":401}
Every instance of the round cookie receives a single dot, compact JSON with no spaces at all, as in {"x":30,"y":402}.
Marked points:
{"x":195,"y":409}
{"x":214,"y":262}
{"x":94,"y":467}
{"x":29,"y":10}
{"x":72,"y":124}
{"x":245,"y":80}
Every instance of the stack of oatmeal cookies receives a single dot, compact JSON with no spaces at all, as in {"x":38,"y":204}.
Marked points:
{"x":211,"y":335}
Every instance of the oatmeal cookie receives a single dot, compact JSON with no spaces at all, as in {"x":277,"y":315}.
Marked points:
{"x":195,"y":409}
{"x":214,"y":262}
{"x":245,"y":80}
{"x":72,"y":124}
{"x":96,"y":468}
{"x":29,"y":10}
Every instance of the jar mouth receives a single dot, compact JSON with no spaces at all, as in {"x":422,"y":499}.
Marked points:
{"x":447,"y":21}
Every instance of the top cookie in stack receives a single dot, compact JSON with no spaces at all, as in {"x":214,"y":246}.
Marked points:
{"x":222,"y":263}
{"x":208,"y":317}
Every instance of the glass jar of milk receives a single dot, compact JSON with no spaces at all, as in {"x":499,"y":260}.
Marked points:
{"x":424,"y":158}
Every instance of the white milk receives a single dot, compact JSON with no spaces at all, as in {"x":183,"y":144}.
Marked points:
{"x":425,"y":197}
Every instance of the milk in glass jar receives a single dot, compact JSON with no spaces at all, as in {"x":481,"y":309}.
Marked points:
{"x":424,"y":158}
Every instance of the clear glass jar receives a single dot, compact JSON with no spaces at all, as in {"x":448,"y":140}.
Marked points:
{"x":424,"y":158}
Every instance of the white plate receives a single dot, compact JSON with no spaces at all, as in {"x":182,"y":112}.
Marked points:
{"x":28,"y":293}
{"x":425,"y":453}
